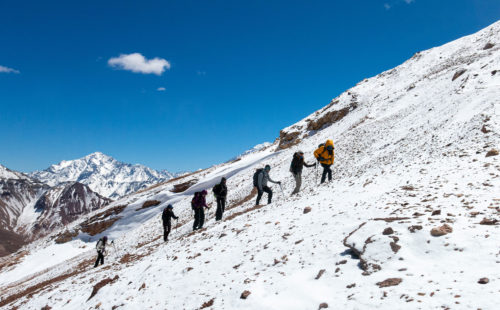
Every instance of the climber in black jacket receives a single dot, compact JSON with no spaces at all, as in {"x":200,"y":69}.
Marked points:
{"x":167,"y":215}
{"x":296,"y":169}
{"x":220,"y":192}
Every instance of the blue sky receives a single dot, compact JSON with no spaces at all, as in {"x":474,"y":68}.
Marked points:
{"x":228,"y":74}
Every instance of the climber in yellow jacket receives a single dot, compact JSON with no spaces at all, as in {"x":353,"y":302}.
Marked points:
{"x":325,"y":155}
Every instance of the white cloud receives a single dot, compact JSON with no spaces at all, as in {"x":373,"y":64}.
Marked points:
{"x":8,"y":70}
{"x":201,"y":73}
{"x":389,"y":6}
{"x":137,"y":63}
{"x":161,"y":89}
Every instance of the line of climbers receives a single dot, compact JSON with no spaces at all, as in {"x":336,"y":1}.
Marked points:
{"x":324,"y":155}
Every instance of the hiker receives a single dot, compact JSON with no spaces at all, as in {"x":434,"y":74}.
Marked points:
{"x":101,"y":248}
{"x":220,"y":192}
{"x":167,"y":215}
{"x":260,"y":179}
{"x":325,"y":155}
{"x":296,"y":169}
{"x":198,"y":203}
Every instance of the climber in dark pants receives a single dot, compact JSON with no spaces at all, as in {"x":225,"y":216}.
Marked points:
{"x":101,"y":249}
{"x":220,"y":192}
{"x":167,"y":215}
{"x":198,"y":203}
{"x":262,"y":179}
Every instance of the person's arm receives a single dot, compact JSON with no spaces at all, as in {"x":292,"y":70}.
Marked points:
{"x":175,"y":217}
{"x":271,"y":180}
{"x":309,"y":165}
{"x":224,"y":192}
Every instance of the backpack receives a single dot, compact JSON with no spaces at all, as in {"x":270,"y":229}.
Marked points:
{"x":193,"y":201}
{"x":216,"y":189}
{"x":198,"y":201}
{"x":295,"y":163}
{"x":164,"y":215}
{"x":256,"y":177}
{"x":98,"y":248}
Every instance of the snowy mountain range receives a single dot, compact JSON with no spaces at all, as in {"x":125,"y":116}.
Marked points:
{"x":103,"y":174}
{"x":410,"y":219}
{"x":18,"y":192}
{"x":33,"y":205}
{"x":30,"y":209}
{"x":6,"y":173}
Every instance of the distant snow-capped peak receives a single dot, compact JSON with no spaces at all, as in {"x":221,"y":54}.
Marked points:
{"x":103,"y":174}
{"x":6,"y":173}
{"x":256,"y":148}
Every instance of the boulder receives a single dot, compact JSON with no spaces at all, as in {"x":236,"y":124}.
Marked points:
{"x":488,"y":46}
{"x":414,"y":228}
{"x":486,"y":221}
{"x":245,"y":294}
{"x":388,"y":231}
{"x":436,"y":212}
{"x":390,"y":282}
{"x":441,"y":231}
{"x":458,"y":74}
{"x":492,"y":152}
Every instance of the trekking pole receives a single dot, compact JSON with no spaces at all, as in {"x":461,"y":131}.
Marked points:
{"x":316,"y":173}
{"x":282,"y":193}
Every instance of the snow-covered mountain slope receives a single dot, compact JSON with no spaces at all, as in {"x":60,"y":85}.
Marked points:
{"x":30,"y":209}
{"x":11,"y":242}
{"x":6,"y":173}
{"x":416,"y":148}
{"x":256,"y":148}
{"x":17,"y":192}
{"x":60,"y":206}
{"x":103,"y":174}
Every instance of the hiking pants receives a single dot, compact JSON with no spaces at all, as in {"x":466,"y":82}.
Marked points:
{"x":261,"y":192}
{"x":199,"y":218}
{"x":221,"y":205}
{"x":167,"y":227}
{"x":298,"y":182}
{"x":326,"y":170}
{"x":100,"y":258}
